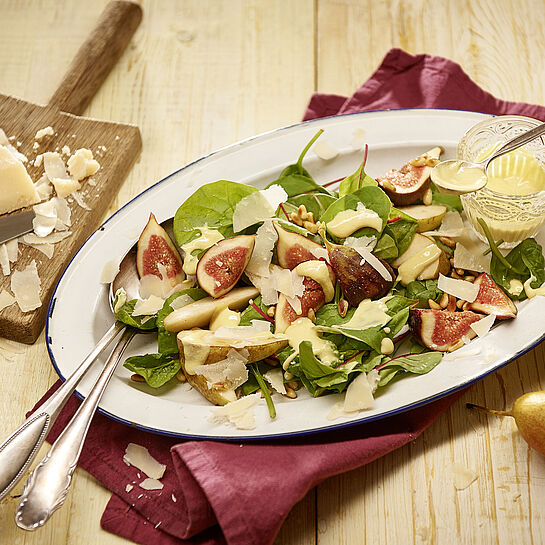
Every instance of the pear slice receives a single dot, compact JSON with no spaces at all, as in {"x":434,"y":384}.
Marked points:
{"x":440,"y":266}
{"x":199,"y":313}
{"x":428,"y":217}
{"x":201,"y":347}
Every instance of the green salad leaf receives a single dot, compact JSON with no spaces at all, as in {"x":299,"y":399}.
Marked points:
{"x":357,"y":180}
{"x":212,"y":204}
{"x":526,"y":260}
{"x":398,"y":235}
{"x":166,"y":340}
{"x":420,"y":291}
{"x":416,"y":364}
{"x":123,"y":313}
{"x":314,"y":202}
{"x":452,"y":202}
{"x":156,"y":369}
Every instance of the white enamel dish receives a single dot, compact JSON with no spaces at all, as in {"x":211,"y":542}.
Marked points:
{"x":79,"y":312}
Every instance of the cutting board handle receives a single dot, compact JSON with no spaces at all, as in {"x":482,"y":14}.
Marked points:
{"x":97,"y":56}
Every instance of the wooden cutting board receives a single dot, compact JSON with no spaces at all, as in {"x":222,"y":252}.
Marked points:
{"x":115,"y":146}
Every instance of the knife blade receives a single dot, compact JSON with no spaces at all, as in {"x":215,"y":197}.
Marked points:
{"x":16,"y":225}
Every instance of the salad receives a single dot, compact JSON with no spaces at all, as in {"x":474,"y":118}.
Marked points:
{"x":337,"y":288}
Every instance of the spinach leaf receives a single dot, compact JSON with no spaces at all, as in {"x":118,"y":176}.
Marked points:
{"x":212,"y":204}
{"x":357,"y":180}
{"x":124,"y":313}
{"x":297,"y":184}
{"x":421,"y":292}
{"x":166,"y":340}
{"x":417,"y":364}
{"x":314,"y":202}
{"x":297,"y":168}
{"x":328,"y":315}
{"x":156,"y":369}
{"x":399,"y":232}
{"x":452,"y":202}
{"x":371,"y":197}
{"x":250,"y":313}
{"x":526,"y":257}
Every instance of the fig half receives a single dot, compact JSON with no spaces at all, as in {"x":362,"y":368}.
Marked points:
{"x":155,"y":248}
{"x":491,"y":299}
{"x":408,"y":184}
{"x":313,"y":298}
{"x":358,"y":281}
{"x":293,"y":248}
{"x":440,"y":329}
{"x":222,"y":265}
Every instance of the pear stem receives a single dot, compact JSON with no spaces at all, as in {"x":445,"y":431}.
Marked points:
{"x":486,"y":410}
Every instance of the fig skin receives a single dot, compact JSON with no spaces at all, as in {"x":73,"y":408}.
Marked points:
{"x":491,"y":299}
{"x":529,"y":414}
{"x":155,"y":247}
{"x":357,"y":281}
{"x":293,"y":248}
{"x":442,"y":330}
{"x":221,"y":266}
{"x":408,"y":184}
{"x":313,"y":298}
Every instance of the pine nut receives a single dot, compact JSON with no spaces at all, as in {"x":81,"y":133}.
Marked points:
{"x":469,"y":278}
{"x":454,"y":274}
{"x":447,"y":241}
{"x":294,"y":385}
{"x":180,"y":376}
{"x":433,"y":304}
{"x":444,"y":300}
{"x":137,"y":378}
{"x":271,"y":311}
{"x":311,"y":315}
{"x":292,"y":394}
{"x":460,"y":303}
{"x":428,"y":197}
{"x":461,"y":272}
{"x":451,"y":305}
{"x":288,"y":375}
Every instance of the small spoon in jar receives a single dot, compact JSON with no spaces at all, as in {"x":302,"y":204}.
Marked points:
{"x":460,"y":177}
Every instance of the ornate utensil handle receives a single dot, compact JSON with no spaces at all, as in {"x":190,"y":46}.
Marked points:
{"x":19,"y":450}
{"x":47,"y":486}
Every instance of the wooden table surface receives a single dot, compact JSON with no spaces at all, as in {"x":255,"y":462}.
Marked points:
{"x":202,"y":74}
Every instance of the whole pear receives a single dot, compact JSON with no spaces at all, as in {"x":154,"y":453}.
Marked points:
{"x":529,"y":414}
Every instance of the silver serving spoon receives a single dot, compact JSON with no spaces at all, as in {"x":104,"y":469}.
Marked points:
{"x":460,"y":177}
{"x":47,"y":486}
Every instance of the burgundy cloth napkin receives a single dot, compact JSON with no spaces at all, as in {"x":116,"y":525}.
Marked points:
{"x":216,"y":493}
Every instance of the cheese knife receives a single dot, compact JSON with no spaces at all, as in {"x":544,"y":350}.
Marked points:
{"x":16,"y":225}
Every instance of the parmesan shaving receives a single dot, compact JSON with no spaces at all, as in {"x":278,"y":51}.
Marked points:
{"x":43,"y":186}
{"x":275,"y":377}
{"x":6,"y":299}
{"x":56,"y":172}
{"x":324,"y":150}
{"x":266,"y":237}
{"x":469,"y":261}
{"x":26,"y":287}
{"x":139,"y":457}
{"x":451,"y":226}
{"x":374,"y":261}
{"x":109,"y":272}
{"x":258,"y":206}
{"x":151,"y":484}
{"x":79,"y":199}
{"x":129,"y":487}
{"x":461,"y":289}
{"x":359,"y":394}
{"x":463,"y":476}
{"x":230,"y":372}
{"x":239,"y":413}
{"x":53,"y":238}
{"x":82,"y":164}
{"x":148,"y":306}
{"x":482,"y":327}
{"x":47,"y":249}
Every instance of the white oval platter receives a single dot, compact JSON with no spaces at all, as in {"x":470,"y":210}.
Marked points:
{"x":79,"y":312}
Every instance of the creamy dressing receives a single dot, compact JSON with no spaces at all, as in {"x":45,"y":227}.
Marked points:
{"x":453,"y":175}
{"x":409,"y":270}
{"x":515,"y":287}
{"x":304,"y":330}
{"x":225,"y":318}
{"x":368,"y":314}
{"x":349,"y":221}
{"x":319,"y":272}
{"x":208,"y":238}
{"x":195,"y":351}
{"x":387,"y":346}
{"x":532,"y":292}
{"x":515,"y":173}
